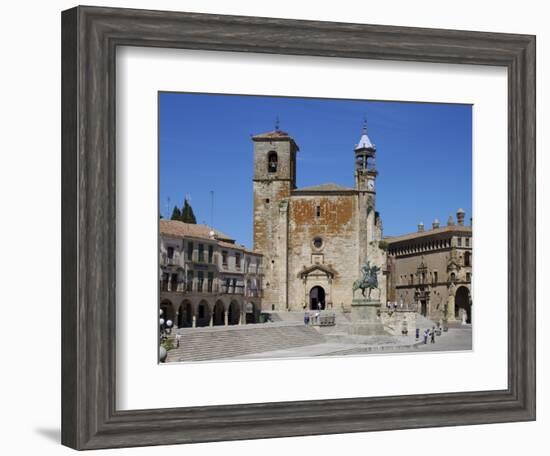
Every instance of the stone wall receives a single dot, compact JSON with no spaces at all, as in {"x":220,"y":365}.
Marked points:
{"x":336,"y":227}
{"x":395,"y":321}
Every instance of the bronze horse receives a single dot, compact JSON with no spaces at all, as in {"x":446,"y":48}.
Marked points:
{"x":368,"y":281}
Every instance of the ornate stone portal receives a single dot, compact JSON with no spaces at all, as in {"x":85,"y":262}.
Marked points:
{"x":365,"y":311}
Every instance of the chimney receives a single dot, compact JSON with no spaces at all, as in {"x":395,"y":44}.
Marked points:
{"x":460,"y":217}
{"x":450,"y":221}
{"x":435,"y":224}
{"x":420,"y":227}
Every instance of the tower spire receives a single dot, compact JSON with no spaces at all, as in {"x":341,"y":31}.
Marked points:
{"x":364,"y":141}
{"x":277,"y":124}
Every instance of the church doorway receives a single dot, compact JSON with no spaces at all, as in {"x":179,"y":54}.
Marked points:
{"x":317,"y":298}
{"x":462,"y":301}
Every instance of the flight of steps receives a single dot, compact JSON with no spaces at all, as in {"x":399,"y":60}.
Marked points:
{"x":423,"y":323}
{"x":202,"y":344}
{"x":298,"y":316}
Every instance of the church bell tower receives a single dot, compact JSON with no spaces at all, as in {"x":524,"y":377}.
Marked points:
{"x":274,"y":179}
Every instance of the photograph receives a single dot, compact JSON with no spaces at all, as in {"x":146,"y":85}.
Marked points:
{"x":294,"y":227}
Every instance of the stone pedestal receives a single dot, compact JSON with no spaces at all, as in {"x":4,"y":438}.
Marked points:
{"x":364,"y":318}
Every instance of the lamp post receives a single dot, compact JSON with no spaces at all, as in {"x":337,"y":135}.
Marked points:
{"x":165,"y":328}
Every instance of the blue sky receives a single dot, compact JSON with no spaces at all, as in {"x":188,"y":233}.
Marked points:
{"x":424,"y":154}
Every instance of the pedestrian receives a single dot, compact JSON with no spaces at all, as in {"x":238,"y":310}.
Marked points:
{"x":417,"y":333}
{"x":432,"y":334}
{"x":426,"y":333}
{"x":306,"y":318}
{"x":178,"y":338}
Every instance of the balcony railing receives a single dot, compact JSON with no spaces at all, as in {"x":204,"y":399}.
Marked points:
{"x":166,"y":285}
{"x":253,"y":293}
{"x":166,"y":261}
{"x":237,"y":289}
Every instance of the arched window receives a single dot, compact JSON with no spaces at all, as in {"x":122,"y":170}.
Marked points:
{"x":467,"y":259}
{"x":272,"y":162}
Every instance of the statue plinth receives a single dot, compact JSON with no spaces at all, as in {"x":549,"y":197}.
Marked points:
{"x":365,"y":319}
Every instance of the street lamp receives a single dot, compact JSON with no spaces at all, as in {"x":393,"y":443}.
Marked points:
{"x":165,"y":328}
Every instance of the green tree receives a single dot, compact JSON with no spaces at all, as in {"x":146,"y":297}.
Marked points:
{"x":187,"y":214}
{"x":176,"y":213}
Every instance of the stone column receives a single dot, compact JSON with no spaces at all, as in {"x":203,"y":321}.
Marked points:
{"x":329,"y":301}
{"x":306,"y":294}
{"x":194,"y":321}
{"x":451,"y":307}
{"x":225,"y":315}
{"x":283,"y":255}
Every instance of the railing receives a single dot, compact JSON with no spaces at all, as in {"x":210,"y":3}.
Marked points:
{"x":165,"y":261}
{"x":168,"y":285}
{"x":397,"y":306}
{"x":254,"y":293}
{"x":237,"y":289}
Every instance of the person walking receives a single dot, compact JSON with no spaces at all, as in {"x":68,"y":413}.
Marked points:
{"x":426,"y":333}
{"x":178,"y":338}
{"x":432,"y":335}
{"x":417,"y":333}
{"x":306,"y":318}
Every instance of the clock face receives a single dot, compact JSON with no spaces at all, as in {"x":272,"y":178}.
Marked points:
{"x":370,"y":184}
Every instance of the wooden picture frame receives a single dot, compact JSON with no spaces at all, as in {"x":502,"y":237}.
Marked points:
{"x":90,"y":36}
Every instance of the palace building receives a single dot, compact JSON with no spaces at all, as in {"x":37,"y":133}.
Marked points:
{"x":206,"y":278}
{"x":314,"y":240}
{"x":431,"y":270}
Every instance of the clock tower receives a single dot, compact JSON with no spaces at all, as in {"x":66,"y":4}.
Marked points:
{"x":369,"y":224}
{"x":365,"y":163}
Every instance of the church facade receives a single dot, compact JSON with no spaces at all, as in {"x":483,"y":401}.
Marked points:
{"x":314,"y":240}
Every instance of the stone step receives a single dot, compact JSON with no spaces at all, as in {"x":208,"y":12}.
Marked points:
{"x":211,"y":345}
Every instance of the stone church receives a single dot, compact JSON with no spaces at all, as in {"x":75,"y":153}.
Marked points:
{"x":314,"y":239}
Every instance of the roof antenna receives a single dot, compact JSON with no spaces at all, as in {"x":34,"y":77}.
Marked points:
{"x":365,"y":125}
{"x":212,"y":208}
{"x":277,"y":123}
{"x":167,"y":209}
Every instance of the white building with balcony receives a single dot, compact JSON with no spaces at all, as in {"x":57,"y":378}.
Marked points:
{"x":206,"y":278}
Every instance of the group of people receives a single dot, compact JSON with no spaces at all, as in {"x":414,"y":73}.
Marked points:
{"x":429,"y":334}
{"x":308,"y":319}
{"x":393,"y":305}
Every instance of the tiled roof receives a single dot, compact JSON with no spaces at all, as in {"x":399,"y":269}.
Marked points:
{"x":330,"y":187}
{"x":275,"y":135}
{"x":229,"y":245}
{"x":364,"y":141}
{"x":181,"y":229}
{"x":272,"y":134}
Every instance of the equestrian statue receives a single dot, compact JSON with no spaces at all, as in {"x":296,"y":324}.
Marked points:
{"x":368,"y":281}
